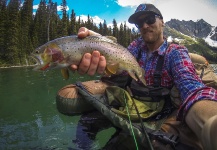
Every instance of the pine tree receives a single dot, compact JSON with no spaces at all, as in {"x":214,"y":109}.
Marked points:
{"x":12,"y":45}
{"x":115,"y":29}
{"x":64,"y":20}
{"x":3,"y":21}
{"x":25,"y":40}
{"x":100,"y":28}
{"x":40,"y":24}
{"x":72,"y":26}
{"x":105,"y":28}
{"x":121,"y":35}
{"x":52,"y":20}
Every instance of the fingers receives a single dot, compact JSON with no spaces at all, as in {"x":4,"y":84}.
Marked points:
{"x":84,"y":32}
{"x":85,"y":63}
{"x":92,"y":64}
{"x":102,"y":65}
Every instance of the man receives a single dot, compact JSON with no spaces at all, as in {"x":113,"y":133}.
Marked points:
{"x":198,"y":108}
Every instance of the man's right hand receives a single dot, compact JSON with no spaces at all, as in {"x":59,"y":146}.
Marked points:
{"x":90,"y":63}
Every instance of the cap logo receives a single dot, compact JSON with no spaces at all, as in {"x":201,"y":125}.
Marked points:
{"x":140,"y":8}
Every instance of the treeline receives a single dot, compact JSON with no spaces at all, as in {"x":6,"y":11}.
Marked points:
{"x":21,"y":31}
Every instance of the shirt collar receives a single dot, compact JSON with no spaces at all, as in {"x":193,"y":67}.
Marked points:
{"x":161,"y":50}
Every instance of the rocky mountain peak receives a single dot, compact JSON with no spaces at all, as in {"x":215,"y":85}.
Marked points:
{"x":199,"y":28}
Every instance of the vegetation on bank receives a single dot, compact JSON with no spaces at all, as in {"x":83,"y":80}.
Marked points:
{"x":21,"y":31}
{"x":194,"y":45}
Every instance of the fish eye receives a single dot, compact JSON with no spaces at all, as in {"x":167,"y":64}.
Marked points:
{"x":37,"y":52}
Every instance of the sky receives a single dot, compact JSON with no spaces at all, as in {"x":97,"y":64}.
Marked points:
{"x":120,"y":10}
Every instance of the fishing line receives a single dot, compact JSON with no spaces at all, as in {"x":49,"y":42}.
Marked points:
{"x":131,"y":126}
{"x":143,"y":128}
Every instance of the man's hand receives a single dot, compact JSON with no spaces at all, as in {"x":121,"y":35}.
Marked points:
{"x":90,"y":63}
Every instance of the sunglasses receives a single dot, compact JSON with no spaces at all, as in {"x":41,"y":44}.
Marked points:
{"x":150,"y":19}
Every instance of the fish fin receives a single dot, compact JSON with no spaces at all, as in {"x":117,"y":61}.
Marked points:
{"x":141,"y":77}
{"x":65,"y":73}
{"x":107,"y":72}
{"x":112,"y":68}
{"x":133,"y":75}
{"x":114,"y":39}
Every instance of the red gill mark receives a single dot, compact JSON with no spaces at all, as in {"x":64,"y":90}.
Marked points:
{"x":57,"y":54}
{"x":45,"y":67}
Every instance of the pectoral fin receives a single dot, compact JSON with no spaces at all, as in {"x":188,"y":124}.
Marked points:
{"x":65,"y":73}
{"x":112,"y":68}
{"x":107,"y":72}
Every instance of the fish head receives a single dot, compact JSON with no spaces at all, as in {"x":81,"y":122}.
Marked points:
{"x":47,"y":57}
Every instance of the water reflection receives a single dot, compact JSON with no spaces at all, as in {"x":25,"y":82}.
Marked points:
{"x":28,"y":115}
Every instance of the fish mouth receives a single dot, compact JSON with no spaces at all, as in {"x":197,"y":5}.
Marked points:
{"x":38,"y":62}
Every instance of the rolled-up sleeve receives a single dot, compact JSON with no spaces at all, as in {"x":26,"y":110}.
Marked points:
{"x":187,"y":82}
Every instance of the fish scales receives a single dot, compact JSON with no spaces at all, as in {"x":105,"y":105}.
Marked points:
{"x":65,"y":51}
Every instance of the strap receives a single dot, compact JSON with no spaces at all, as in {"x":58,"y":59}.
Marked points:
{"x":158,"y":72}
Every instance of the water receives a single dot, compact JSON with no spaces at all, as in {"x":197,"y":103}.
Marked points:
{"x":28,"y":115}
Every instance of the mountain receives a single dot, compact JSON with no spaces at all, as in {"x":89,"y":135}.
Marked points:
{"x":199,"y":37}
{"x":198,"y":29}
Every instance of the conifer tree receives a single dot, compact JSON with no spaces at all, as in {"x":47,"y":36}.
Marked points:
{"x":72,"y":26}
{"x":64,"y":20}
{"x":25,"y":40}
{"x":52,"y":20}
{"x":41,"y":21}
{"x":100,"y":28}
{"x":105,"y":28}
{"x":12,"y":34}
{"x":3,"y":24}
{"x":115,"y":29}
{"x":121,"y":35}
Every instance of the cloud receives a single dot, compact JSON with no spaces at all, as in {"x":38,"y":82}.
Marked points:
{"x":180,"y":9}
{"x":96,"y":19}
{"x":59,"y":8}
{"x":131,"y":3}
{"x":129,"y":25}
{"x":35,"y":7}
{"x":194,"y":10}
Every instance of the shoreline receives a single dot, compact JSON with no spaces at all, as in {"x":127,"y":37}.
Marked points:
{"x":16,"y":66}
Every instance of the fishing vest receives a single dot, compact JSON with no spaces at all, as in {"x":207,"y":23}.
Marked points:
{"x":153,"y":102}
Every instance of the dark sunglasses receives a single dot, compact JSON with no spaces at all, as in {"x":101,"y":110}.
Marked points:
{"x":150,"y":19}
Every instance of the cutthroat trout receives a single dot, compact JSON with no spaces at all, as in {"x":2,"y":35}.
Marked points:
{"x":62,"y":52}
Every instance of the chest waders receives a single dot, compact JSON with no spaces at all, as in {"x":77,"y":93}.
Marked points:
{"x":150,"y":95}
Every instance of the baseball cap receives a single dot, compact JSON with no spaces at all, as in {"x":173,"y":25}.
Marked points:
{"x":143,"y":9}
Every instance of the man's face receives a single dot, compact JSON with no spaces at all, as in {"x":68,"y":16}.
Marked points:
{"x":151,"y":28}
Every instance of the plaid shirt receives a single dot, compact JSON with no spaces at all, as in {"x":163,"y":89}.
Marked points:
{"x":178,"y":70}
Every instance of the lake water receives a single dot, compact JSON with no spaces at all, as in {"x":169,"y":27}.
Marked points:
{"x":28,"y":115}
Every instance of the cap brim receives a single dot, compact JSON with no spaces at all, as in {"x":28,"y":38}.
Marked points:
{"x":134,"y":17}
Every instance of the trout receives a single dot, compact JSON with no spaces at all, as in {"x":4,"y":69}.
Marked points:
{"x":62,"y":52}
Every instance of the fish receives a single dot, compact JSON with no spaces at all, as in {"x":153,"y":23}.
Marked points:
{"x":60,"y":53}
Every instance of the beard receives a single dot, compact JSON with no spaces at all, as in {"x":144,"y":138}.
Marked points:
{"x":150,"y":37}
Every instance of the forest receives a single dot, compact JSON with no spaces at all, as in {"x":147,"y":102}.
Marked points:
{"x":21,"y":30}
